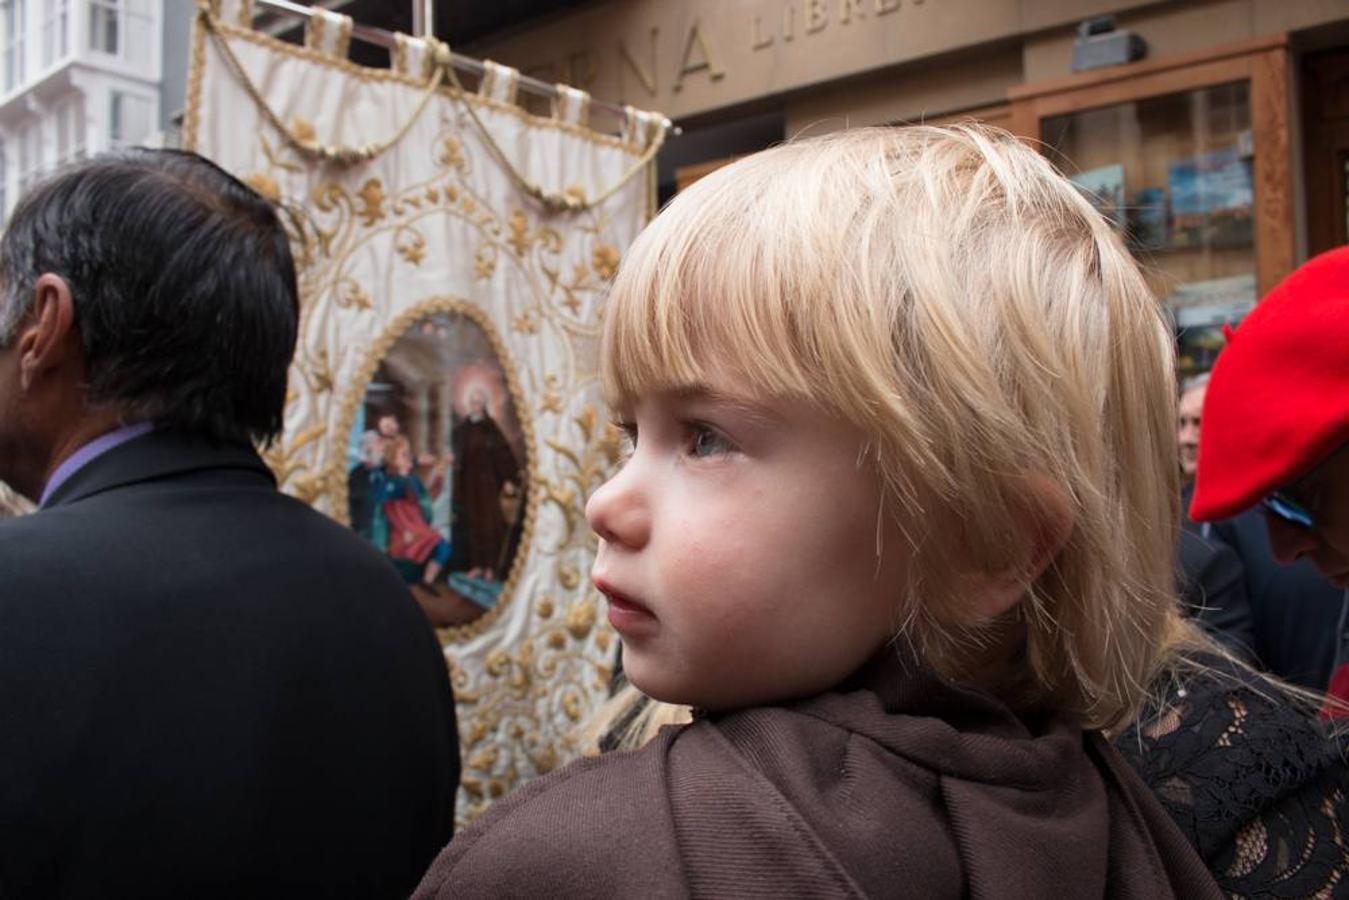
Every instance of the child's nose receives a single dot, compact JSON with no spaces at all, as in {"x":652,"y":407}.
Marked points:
{"x":618,"y":512}
{"x":1287,"y":541}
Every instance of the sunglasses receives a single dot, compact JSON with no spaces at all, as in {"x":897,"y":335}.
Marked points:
{"x":1288,"y":509}
{"x":1294,"y":503}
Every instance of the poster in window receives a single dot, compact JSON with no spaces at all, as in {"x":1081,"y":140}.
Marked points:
{"x":1212,"y":197}
{"x":1104,"y":187}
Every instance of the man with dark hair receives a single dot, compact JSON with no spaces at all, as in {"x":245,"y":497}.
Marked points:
{"x":206,"y":688}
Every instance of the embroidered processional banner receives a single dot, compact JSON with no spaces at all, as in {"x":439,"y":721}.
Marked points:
{"x":452,"y":253}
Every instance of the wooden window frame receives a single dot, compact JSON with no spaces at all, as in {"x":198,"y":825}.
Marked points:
{"x":1265,"y":63}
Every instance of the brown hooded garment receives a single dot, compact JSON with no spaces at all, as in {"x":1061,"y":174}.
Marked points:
{"x":897,"y":784}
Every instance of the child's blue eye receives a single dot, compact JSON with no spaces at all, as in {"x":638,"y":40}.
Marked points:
{"x":704,"y":441}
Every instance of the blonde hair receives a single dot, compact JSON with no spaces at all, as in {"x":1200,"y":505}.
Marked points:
{"x":960,"y":302}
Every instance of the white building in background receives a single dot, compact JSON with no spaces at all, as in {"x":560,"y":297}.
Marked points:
{"x":79,"y":77}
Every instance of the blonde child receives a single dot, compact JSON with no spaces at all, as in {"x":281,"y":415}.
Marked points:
{"x":897,"y":521}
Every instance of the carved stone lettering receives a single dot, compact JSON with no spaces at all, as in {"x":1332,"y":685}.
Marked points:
{"x":757,"y":40}
{"x":697,"y":58}
{"x":849,"y":8}
{"x":817,"y":16}
{"x":646,"y":74}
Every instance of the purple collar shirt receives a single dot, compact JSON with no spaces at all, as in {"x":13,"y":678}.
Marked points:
{"x":90,"y":452}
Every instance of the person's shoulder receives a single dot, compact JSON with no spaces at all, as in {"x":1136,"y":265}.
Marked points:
{"x":1226,"y":725}
{"x":599,"y":826}
{"x":309,"y":531}
{"x":40,"y":543}
{"x":697,"y":809}
{"x":1244,"y":767}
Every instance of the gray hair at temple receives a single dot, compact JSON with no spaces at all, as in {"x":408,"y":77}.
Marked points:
{"x":11,"y":504}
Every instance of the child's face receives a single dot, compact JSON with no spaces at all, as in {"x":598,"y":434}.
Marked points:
{"x":402,"y":461}
{"x":739,"y":550}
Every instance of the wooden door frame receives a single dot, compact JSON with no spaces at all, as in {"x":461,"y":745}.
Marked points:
{"x":1324,"y":153}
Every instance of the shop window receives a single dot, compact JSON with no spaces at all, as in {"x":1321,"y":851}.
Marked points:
{"x":1174,"y":174}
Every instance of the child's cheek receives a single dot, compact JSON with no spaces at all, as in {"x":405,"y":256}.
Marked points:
{"x":708,"y":570}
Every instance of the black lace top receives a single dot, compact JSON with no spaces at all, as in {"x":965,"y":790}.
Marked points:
{"x":1253,"y":780}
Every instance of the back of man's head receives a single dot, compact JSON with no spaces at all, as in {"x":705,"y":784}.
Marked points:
{"x":182,"y":283}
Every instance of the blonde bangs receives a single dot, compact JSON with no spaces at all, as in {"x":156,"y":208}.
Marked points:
{"x":727,"y":280}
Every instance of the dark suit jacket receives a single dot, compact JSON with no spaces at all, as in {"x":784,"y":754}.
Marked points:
{"x":1296,"y":611}
{"x":1213,"y":591}
{"x":209,"y":689}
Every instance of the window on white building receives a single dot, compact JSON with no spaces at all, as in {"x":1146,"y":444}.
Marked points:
{"x":105,"y":32}
{"x":70,"y":131}
{"x":30,"y":156}
{"x":130,"y":118}
{"x":55,"y":31}
{"x":16,"y":22}
{"x":123,"y":28}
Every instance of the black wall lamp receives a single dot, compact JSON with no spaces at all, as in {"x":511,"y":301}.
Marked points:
{"x":1099,"y":43}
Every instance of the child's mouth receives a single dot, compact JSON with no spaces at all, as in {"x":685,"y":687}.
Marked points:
{"x":625,"y":614}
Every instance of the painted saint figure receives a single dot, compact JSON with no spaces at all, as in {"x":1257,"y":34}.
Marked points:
{"x":485,"y":470}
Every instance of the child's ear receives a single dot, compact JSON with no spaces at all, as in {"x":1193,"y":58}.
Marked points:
{"x":1047,"y":515}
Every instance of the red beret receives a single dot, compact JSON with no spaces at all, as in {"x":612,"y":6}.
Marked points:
{"x":1278,"y":399}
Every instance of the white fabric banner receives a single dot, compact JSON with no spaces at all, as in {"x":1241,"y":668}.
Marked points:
{"x":443,"y":400}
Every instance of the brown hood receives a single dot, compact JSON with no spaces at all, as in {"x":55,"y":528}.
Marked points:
{"x":1054,"y":812}
{"x":897,"y":785}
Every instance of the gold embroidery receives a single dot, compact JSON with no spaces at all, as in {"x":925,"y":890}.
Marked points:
{"x":301,"y":128}
{"x":605,"y":260}
{"x":581,"y":616}
{"x":411,"y":245}
{"x":372,"y":202}
{"x":265,"y":185}
{"x":551,"y":401}
{"x":485,"y":262}
{"x":525,"y":323}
